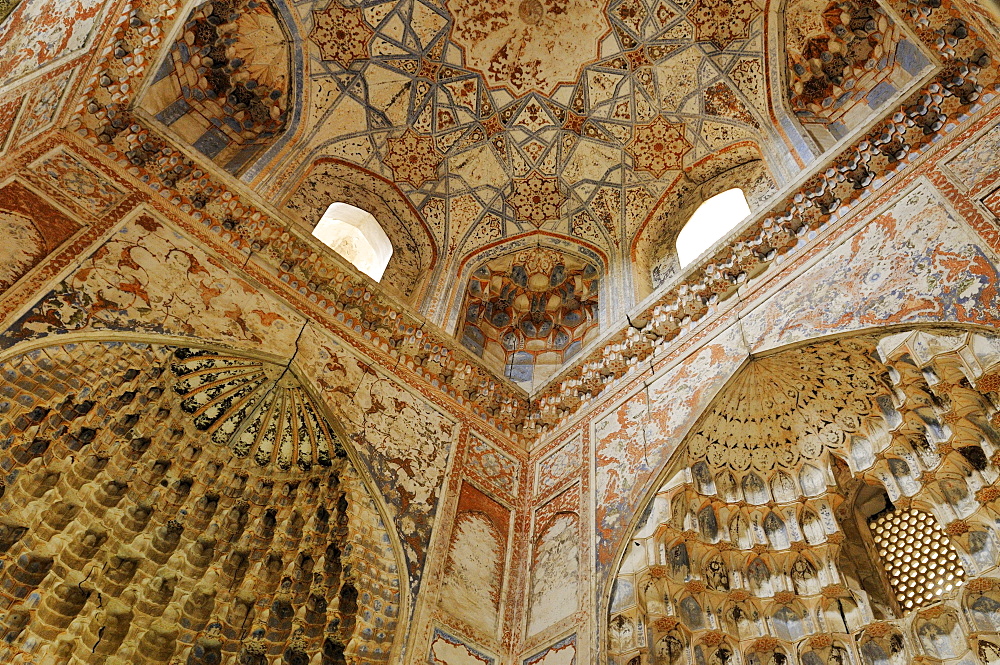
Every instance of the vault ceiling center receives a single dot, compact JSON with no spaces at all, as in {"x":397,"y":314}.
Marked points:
{"x":528,"y":45}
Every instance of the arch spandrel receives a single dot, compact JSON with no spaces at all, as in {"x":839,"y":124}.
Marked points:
{"x":150,"y":279}
{"x":149,"y":282}
{"x":404,"y":440}
{"x":834,"y":394}
{"x":905,"y":248}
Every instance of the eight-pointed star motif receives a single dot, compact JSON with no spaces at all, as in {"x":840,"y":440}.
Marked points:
{"x":723,"y":21}
{"x":537,"y":199}
{"x":412,"y":158}
{"x":658,"y":147}
{"x":341,"y":34}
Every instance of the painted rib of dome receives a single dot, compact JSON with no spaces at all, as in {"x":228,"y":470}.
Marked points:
{"x":257,"y":408}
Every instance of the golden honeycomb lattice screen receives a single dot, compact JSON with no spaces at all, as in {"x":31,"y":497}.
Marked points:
{"x":918,"y":556}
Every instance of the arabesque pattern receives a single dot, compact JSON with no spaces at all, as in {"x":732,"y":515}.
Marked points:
{"x":799,"y":213}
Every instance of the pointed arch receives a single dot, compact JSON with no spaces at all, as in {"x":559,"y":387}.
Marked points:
{"x":189,"y":412}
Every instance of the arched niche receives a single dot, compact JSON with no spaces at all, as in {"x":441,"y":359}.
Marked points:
{"x":939,"y":386}
{"x":653,"y":249}
{"x":712,"y":221}
{"x":823,"y":75}
{"x":858,"y":558}
{"x":470,"y":262}
{"x":206,"y":485}
{"x":357,"y":236}
{"x":555,"y":583}
{"x":227,"y":86}
{"x":23,"y":248}
{"x":414,"y":252}
{"x":475,"y":569}
{"x":531,"y":310}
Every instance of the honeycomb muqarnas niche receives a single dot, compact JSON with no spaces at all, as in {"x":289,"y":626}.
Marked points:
{"x":836,"y":505}
{"x":845,"y":59}
{"x":161,"y":501}
{"x":530,"y":311}
{"x":225,"y":85}
{"x":577,"y":449}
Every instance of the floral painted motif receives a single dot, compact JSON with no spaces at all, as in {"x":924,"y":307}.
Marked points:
{"x":40,"y":31}
{"x":404,"y":441}
{"x":514,"y":47}
{"x":150,"y":278}
{"x":559,"y":464}
{"x":492,"y":466}
{"x":42,"y":106}
{"x":341,"y":34}
{"x":720,"y":100}
{"x":22,"y":247}
{"x":914,"y":262}
{"x":635,"y":440}
{"x":413,"y":159}
{"x":658,"y":147}
{"x":537,"y":199}
{"x":722,"y":22}
{"x":66,"y":176}
{"x":980,"y":161}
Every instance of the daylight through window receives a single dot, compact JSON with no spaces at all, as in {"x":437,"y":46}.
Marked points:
{"x":919,"y":557}
{"x":356,"y":235}
{"x":713,"y":219}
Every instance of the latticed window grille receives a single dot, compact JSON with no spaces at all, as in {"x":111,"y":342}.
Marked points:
{"x":918,"y":556}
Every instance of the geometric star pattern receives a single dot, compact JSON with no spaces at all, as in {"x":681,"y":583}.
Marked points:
{"x":658,"y":147}
{"x":413,"y":159}
{"x":722,"y":22}
{"x":341,"y":34}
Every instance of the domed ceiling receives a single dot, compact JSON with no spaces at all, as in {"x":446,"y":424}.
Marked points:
{"x":786,"y":410}
{"x":509,"y":118}
{"x":223,"y":87}
{"x":483,"y":129}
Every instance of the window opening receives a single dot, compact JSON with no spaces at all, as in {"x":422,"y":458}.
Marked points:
{"x":858,"y":559}
{"x":712,"y":220}
{"x":920,"y":559}
{"x":356,"y":235}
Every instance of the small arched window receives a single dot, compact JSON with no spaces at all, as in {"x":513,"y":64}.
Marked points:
{"x":355,"y":234}
{"x":712,"y":220}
